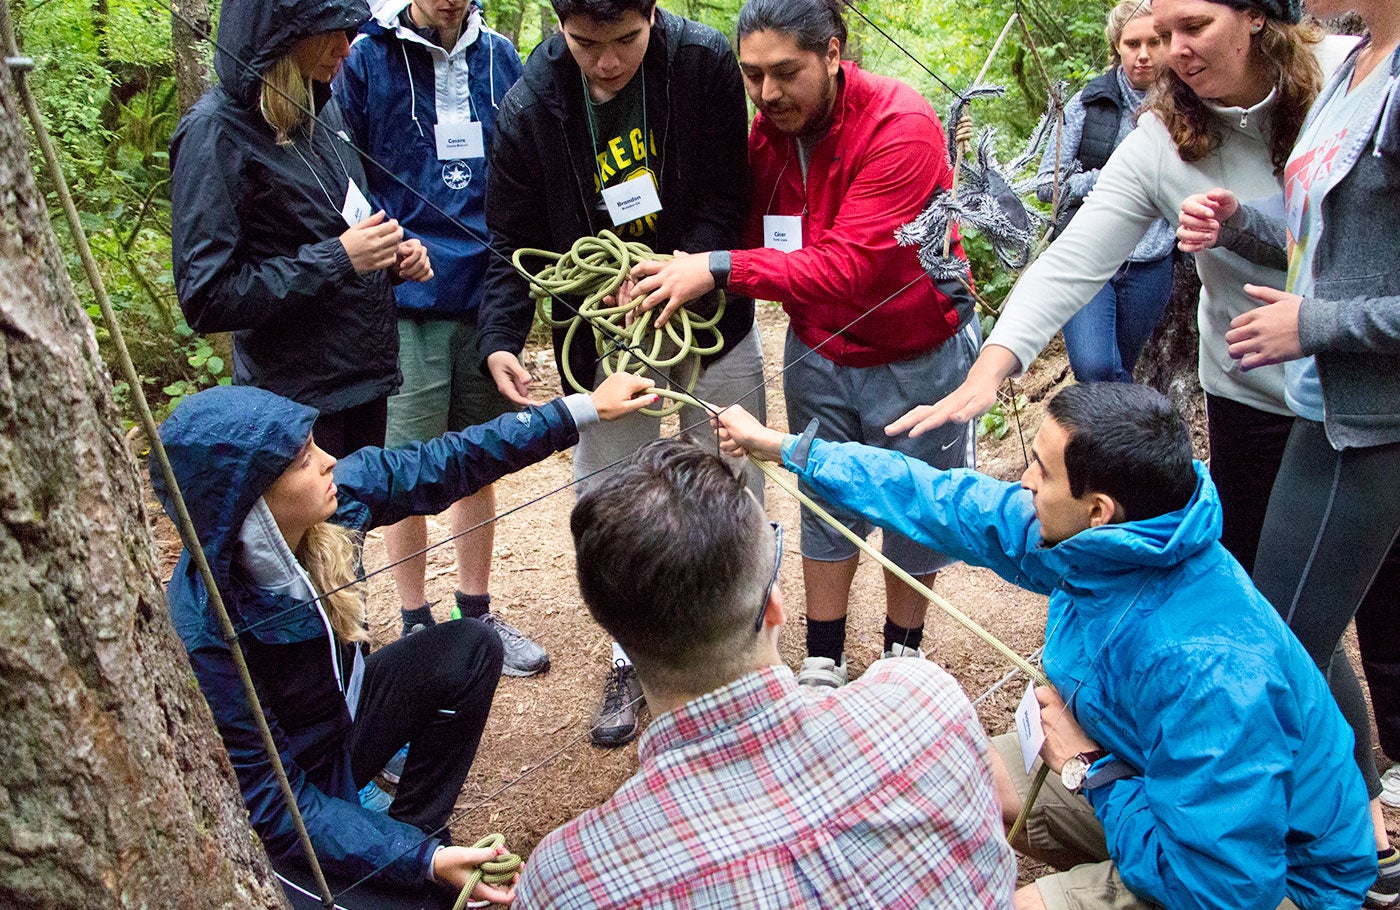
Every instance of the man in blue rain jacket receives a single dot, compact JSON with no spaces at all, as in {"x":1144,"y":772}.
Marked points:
{"x":1197,"y":756}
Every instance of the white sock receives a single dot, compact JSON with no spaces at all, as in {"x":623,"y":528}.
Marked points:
{"x":620,"y":655}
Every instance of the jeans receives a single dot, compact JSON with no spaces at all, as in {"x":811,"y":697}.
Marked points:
{"x":1103,"y":339}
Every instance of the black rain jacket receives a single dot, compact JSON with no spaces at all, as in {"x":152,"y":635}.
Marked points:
{"x":256,"y":226}
{"x":540,"y":189}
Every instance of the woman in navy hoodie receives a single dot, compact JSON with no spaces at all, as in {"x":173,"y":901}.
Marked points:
{"x":280,"y":521}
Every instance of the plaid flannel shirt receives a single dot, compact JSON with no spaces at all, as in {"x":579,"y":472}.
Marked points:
{"x":769,"y":794}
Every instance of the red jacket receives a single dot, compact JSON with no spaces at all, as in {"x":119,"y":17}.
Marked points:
{"x":873,"y":172}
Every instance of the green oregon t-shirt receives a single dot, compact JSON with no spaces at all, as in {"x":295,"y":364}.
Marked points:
{"x":618,"y":127}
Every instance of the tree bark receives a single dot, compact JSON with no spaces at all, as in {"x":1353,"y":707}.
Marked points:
{"x":115,"y":790}
{"x":1169,"y":360}
{"x":192,"y":76}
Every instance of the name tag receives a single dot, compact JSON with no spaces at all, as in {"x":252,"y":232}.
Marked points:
{"x":356,"y":207}
{"x":1028,"y":729}
{"x":460,"y":139}
{"x":632,"y":199}
{"x":782,"y":232}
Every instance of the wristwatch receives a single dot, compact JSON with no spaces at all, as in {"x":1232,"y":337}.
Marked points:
{"x":720,"y":265}
{"x":1076,"y":768}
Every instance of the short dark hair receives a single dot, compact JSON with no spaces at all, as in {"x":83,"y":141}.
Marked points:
{"x":673,"y":556}
{"x":812,"y":22}
{"x":1127,"y":441}
{"x":608,"y":11}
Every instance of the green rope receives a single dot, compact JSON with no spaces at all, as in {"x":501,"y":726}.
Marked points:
{"x":624,"y":337}
{"x":498,"y":871}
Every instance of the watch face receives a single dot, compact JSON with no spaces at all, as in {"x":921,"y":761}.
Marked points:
{"x":1073,"y":773}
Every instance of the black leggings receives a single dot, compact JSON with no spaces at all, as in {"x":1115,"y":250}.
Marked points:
{"x":1333,"y":518}
{"x":342,"y":432}
{"x":1246,"y":447}
{"x":431,"y":690}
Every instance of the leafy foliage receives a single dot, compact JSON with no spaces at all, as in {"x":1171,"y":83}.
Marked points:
{"x":106,"y":84}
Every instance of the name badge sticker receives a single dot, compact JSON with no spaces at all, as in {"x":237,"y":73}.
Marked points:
{"x":356,"y":207}
{"x":460,"y":139}
{"x":632,"y":199}
{"x":782,"y":232}
{"x":1028,"y":728}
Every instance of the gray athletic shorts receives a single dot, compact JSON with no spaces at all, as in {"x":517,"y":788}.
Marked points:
{"x":854,"y":404}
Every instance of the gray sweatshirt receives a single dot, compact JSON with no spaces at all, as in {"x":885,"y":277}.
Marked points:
{"x":1143,"y":181}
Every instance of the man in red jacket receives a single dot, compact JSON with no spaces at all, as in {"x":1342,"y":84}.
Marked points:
{"x":841,"y":158}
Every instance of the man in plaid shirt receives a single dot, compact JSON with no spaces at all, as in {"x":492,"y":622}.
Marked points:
{"x":753,"y":791}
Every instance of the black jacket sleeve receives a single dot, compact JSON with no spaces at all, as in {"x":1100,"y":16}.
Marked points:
{"x":517,"y":219}
{"x":349,"y":840}
{"x":221,"y":287}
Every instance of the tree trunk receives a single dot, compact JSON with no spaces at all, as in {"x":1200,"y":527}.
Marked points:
{"x":191,"y":51}
{"x":1169,"y":359}
{"x":549,"y":23}
{"x":115,"y":790}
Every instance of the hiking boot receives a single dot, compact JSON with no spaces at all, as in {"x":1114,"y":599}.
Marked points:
{"x":394,"y":769}
{"x":417,"y":620}
{"x":522,"y":656}
{"x":616,"y":723}
{"x":1386,"y":890}
{"x":373,"y":798}
{"x":1390,"y":787}
{"x":898,"y":650}
{"x":822,"y":671}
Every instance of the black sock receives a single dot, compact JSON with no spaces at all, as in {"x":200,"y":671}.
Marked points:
{"x":474,"y":606}
{"x":420,"y":616}
{"x":910,"y":638}
{"x":826,"y":638}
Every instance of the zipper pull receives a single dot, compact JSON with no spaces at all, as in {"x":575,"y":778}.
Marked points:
{"x":1244,"y":120}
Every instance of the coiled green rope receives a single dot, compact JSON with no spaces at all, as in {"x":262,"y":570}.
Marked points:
{"x":498,"y":871}
{"x":595,"y":268}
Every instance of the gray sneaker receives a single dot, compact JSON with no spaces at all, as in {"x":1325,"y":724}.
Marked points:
{"x":616,"y":723}
{"x":523,"y":657}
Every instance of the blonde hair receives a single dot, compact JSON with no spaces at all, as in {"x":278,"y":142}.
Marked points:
{"x":327,"y":553}
{"x":1119,"y":17}
{"x":285,"y":98}
{"x":1288,"y":48}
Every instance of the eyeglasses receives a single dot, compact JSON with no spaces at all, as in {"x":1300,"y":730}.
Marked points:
{"x":777,"y":563}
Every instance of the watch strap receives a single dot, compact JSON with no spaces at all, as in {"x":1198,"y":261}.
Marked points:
{"x":721,"y":264}
{"x":1108,"y":772}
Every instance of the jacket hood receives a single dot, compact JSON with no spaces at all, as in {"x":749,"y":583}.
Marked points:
{"x":1159,"y":542}
{"x":227,"y":445}
{"x":255,"y":34}
{"x":385,"y":21}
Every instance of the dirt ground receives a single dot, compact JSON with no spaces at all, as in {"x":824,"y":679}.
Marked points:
{"x":536,"y":768}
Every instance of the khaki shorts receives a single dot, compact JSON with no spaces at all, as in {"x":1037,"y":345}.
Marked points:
{"x":1064,"y":832}
{"x":443,"y":386}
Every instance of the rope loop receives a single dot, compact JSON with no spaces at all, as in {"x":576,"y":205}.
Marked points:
{"x":595,"y":268}
{"x":498,"y":871}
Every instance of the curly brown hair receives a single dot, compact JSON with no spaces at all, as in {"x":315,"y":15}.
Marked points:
{"x":1289,"y":49}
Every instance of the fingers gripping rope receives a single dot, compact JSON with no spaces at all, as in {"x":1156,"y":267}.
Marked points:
{"x":498,"y":871}
{"x":596,"y":268}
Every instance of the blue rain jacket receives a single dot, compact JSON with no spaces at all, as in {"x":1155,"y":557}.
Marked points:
{"x":392,"y":91}
{"x":227,"y":445}
{"x":1170,"y":659}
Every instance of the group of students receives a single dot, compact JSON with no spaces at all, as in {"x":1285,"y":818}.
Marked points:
{"x":1199,"y":753}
